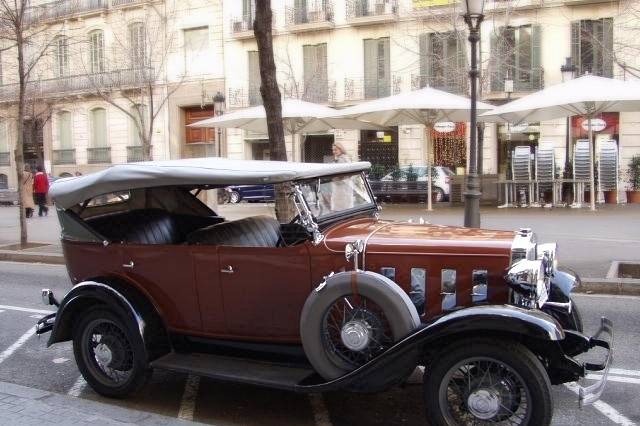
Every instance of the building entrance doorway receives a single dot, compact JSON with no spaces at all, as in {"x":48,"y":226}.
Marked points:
{"x":317,"y":149}
{"x":33,"y":148}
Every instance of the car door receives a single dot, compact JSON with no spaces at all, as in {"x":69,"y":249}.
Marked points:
{"x":264,"y":290}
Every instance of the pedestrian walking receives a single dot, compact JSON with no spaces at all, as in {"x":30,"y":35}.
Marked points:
{"x":340,"y":153}
{"x":40,"y":189}
{"x":26,"y":199}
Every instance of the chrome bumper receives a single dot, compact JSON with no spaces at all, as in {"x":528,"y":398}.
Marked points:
{"x":590,"y":394}
{"x":45,"y":324}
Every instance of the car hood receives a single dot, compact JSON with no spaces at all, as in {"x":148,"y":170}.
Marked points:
{"x":403,"y":237}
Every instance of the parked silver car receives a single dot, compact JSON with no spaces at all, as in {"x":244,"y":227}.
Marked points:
{"x":441,"y":184}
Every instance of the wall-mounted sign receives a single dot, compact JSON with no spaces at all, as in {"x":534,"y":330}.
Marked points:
{"x":444,"y":127}
{"x":597,"y":124}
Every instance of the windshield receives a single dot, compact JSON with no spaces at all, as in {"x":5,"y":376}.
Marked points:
{"x":331,"y":195}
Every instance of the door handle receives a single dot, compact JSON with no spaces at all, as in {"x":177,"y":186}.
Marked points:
{"x":227,"y":269}
{"x":128,"y":265}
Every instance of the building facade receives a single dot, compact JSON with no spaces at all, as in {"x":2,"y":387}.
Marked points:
{"x":335,"y":52}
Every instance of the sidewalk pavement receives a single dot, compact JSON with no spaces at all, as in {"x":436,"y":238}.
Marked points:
{"x":20,"y":405}
{"x":588,"y":241}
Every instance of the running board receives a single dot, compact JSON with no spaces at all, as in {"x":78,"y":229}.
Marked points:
{"x":226,"y":369}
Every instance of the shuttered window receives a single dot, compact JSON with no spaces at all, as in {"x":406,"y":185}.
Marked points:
{"x":140,"y":112}
{"x":377,"y":68}
{"x":254,"y":78}
{"x":96,"y":51}
{"x":592,"y":46}
{"x":196,"y":46}
{"x":4,"y":136}
{"x":443,"y":62}
{"x":138,"y":45}
{"x":515,"y":55}
{"x":64,"y":130}
{"x":316,"y":85}
{"x":62,"y":56}
{"x":98,"y":119}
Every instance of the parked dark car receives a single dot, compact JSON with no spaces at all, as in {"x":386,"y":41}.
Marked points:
{"x":8,"y":197}
{"x":237,"y":193}
{"x":328,"y":298}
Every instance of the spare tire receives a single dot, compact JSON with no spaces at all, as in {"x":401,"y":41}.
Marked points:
{"x":352,"y":318}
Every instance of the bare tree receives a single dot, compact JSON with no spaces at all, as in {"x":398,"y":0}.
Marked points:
{"x":20,"y":35}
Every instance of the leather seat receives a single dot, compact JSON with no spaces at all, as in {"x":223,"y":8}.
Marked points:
{"x":145,"y":226}
{"x":255,"y":231}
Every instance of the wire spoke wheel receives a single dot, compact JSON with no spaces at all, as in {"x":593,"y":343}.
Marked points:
{"x":107,"y":352}
{"x":482,"y":390}
{"x":355,"y":330}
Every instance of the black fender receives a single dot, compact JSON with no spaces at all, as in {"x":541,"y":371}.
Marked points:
{"x":537,"y":330}
{"x":84,"y":295}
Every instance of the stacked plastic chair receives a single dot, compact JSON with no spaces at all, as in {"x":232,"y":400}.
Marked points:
{"x":521,"y":172}
{"x":581,"y":169}
{"x":545,"y":167}
{"x":608,"y":166}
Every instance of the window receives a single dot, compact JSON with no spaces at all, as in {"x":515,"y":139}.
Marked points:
{"x":515,"y":55}
{"x":254,"y":78}
{"x":96,"y":51}
{"x":98,"y":120}
{"x":592,"y":46}
{"x":4,"y":181}
{"x":442,"y":62}
{"x":480,"y":282}
{"x":377,"y":68}
{"x":111,"y":198}
{"x":316,"y":86}
{"x":141,"y":114}
{"x":196,"y":45}
{"x":4,"y":136}
{"x":248,"y":11}
{"x":64,"y":130}
{"x":448,"y":289}
{"x":62,"y":56}
{"x":138,"y":45}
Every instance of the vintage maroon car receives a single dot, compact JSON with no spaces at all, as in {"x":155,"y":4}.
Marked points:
{"x":328,"y":297}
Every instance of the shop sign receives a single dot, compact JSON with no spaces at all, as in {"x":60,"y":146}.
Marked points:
{"x":597,"y":124}
{"x":444,"y":127}
{"x":520,"y":128}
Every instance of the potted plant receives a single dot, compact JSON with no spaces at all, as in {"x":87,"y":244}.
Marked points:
{"x":633,"y":176}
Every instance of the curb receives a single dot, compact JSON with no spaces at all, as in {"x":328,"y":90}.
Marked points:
{"x":617,"y":286}
{"x":21,"y":256}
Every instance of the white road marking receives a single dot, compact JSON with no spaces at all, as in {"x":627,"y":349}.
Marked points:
{"x":59,"y":360}
{"x":21,"y":309}
{"x":618,"y":379}
{"x":21,"y":341}
{"x":320,"y":412}
{"x":623,"y":372}
{"x":37,"y":316}
{"x":77,"y":387}
{"x":605,"y":409}
{"x":188,"y":402}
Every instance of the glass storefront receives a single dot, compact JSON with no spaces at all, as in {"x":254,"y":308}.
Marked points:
{"x":605,"y":127}
{"x":510,"y":136}
{"x":449,"y":145}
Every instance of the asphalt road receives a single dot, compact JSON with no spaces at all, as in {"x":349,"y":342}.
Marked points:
{"x":25,"y":360}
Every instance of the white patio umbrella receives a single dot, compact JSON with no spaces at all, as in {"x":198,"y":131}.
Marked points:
{"x":297,"y":117}
{"x":425,"y":106}
{"x":588,"y":96}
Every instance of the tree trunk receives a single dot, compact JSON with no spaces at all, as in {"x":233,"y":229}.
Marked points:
{"x":269,"y":83}
{"x":272,"y":101}
{"x":19,"y":151}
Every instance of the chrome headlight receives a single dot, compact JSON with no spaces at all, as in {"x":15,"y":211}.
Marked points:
{"x":529,"y":282}
{"x":548,"y":254}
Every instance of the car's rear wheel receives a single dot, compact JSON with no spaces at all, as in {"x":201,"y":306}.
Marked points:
{"x":352,"y":319}
{"x":234,"y":197}
{"x":109,"y":354}
{"x":438,"y":195}
{"x":487,"y":381}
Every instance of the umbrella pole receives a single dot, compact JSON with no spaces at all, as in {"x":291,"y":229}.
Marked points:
{"x":429,"y":171}
{"x":592,"y":161}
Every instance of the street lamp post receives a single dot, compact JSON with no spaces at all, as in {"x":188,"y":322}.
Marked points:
{"x":473,"y":16}
{"x":218,"y":110}
{"x":568,"y":71}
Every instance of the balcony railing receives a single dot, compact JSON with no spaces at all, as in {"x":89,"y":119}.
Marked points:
{"x":456,"y":83}
{"x":65,"y":9}
{"x":100,"y":155}
{"x":134,"y":153}
{"x":358,"y":89}
{"x":368,"y":11}
{"x":525,"y":80}
{"x":64,"y":156}
{"x":242,"y":26}
{"x":5,"y":158}
{"x":242,"y":97}
{"x":83,"y":83}
{"x":314,"y":14}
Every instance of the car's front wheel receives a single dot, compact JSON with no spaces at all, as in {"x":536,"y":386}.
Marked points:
{"x":110,"y":355}
{"x":487,"y":381}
